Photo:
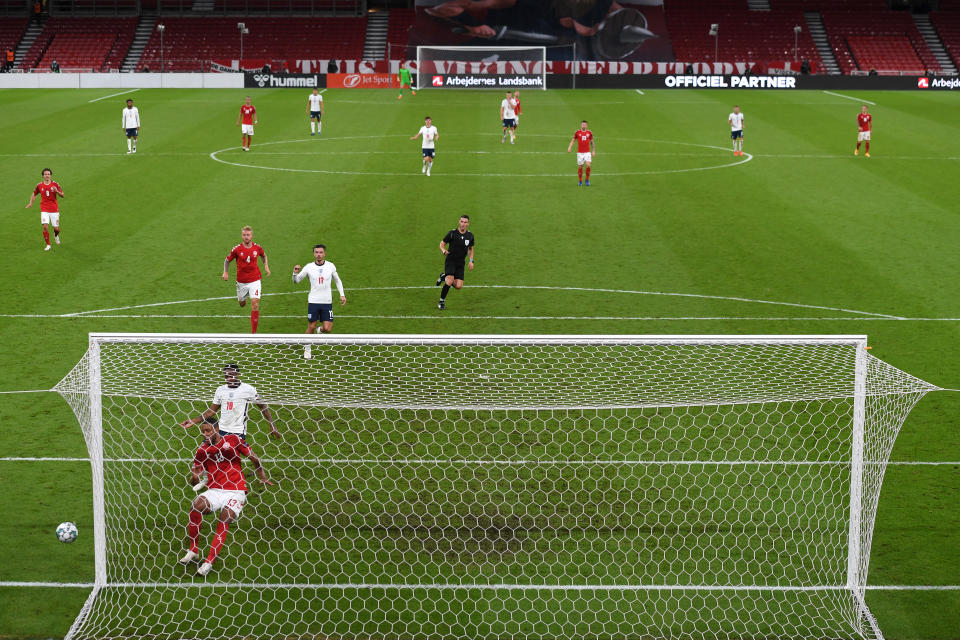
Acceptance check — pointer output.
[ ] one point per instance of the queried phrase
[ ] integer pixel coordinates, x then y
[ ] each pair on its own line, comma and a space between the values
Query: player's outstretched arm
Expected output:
266, 266
298, 274
258, 467
32, 198
212, 411
443, 247
416, 136
265, 410
226, 268
570, 146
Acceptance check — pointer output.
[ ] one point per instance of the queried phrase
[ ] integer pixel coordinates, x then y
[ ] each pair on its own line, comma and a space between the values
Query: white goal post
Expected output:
532, 487
482, 67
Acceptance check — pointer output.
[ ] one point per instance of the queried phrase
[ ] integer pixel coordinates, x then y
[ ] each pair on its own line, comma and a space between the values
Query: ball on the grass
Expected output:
67, 532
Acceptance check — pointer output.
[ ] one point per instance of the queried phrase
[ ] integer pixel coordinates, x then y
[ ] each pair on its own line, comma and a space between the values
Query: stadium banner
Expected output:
360, 80
750, 82
477, 81
284, 81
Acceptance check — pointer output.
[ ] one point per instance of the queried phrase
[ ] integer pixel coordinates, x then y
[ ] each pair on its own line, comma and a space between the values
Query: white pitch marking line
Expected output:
113, 95
868, 314
478, 587
213, 156
895, 463
638, 91
227, 316
840, 95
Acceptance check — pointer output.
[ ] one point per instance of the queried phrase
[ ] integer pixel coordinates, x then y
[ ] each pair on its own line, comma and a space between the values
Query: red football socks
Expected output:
588, 173
254, 321
193, 529
218, 541
868, 146
580, 173
46, 236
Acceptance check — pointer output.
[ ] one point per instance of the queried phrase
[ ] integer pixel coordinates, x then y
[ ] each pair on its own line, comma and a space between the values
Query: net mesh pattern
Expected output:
523, 488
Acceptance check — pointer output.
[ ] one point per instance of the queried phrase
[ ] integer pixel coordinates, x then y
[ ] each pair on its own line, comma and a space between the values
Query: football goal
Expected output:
531, 487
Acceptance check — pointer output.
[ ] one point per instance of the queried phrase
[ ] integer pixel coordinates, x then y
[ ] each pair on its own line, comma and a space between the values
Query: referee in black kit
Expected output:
456, 246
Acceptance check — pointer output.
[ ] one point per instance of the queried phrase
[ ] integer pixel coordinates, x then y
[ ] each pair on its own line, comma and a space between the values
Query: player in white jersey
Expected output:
509, 118
315, 111
321, 273
130, 123
232, 400
429, 149
735, 120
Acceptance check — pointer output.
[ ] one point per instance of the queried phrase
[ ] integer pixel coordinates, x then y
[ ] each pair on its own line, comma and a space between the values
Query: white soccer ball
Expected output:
67, 532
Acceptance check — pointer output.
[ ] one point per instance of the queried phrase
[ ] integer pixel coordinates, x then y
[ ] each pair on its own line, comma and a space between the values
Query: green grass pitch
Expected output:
857, 245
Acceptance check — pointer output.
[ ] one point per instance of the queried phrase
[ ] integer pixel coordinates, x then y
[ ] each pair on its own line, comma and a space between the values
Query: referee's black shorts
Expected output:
454, 267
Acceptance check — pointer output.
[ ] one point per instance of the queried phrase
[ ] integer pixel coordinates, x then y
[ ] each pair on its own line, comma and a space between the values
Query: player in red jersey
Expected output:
246, 120
248, 273
219, 457
516, 107
586, 149
49, 191
865, 125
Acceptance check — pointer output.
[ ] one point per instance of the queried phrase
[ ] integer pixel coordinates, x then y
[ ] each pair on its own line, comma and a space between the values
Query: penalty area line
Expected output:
112, 95
840, 95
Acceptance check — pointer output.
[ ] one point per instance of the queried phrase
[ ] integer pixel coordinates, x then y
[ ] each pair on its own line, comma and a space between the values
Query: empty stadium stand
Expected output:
744, 35
81, 43
11, 30
190, 41
400, 22
947, 23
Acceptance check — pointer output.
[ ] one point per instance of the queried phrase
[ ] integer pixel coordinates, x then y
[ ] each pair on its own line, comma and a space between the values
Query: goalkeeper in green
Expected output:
404, 78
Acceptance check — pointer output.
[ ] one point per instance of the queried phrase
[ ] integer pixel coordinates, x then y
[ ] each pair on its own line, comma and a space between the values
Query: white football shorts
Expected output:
50, 218
246, 129
220, 499
863, 135
248, 290
584, 157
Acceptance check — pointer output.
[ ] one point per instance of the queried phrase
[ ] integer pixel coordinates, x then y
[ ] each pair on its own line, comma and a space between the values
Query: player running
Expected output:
456, 246
248, 273
232, 400
509, 118
219, 457
315, 111
735, 120
586, 149
429, 148
130, 123
403, 76
865, 124
49, 191
245, 120
321, 273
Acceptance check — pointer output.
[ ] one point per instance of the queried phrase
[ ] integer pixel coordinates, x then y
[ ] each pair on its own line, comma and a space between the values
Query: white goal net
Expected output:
441, 488
504, 68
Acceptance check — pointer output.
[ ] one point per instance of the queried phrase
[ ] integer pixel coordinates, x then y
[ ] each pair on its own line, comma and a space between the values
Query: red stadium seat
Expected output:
82, 43
189, 42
